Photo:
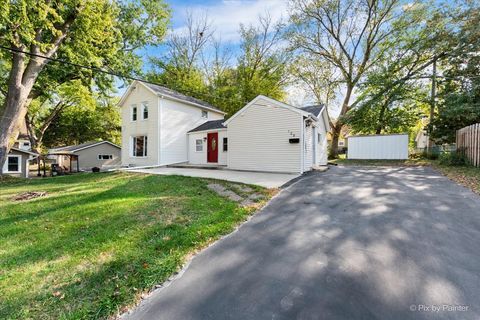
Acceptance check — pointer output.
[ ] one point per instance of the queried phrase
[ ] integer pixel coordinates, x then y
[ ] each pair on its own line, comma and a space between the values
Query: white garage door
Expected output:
378, 147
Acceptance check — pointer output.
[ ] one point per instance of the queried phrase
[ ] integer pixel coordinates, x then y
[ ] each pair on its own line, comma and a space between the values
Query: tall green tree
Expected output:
100, 121
354, 36
96, 33
198, 65
459, 91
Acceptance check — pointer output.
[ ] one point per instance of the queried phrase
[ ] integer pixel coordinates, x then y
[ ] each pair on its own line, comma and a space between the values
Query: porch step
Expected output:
197, 166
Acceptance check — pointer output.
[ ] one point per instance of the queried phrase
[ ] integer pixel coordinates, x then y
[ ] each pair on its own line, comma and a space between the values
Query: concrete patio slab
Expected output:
263, 179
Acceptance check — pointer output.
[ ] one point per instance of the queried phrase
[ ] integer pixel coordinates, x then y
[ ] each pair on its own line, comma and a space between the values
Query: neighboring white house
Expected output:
421, 139
162, 127
17, 162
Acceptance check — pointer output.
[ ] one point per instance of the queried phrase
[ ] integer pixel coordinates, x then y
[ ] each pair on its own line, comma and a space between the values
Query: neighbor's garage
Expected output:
378, 147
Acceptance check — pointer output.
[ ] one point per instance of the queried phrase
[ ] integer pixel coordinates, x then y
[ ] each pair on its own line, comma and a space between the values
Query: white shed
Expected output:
378, 147
268, 135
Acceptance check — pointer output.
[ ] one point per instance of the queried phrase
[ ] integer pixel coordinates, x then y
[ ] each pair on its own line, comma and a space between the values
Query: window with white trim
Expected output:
204, 114
105, 156
319, 137
134, 112
144, 110
199, 145
139, 144
13, 164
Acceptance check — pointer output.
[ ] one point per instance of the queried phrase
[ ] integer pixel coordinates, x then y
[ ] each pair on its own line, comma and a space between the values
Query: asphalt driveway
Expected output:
351, 243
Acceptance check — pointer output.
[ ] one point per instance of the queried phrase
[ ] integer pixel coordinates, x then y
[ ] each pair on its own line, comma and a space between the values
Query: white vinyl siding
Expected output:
259, 136
322, 144
308, 148
140, 95
177, 119
378, 147
200, 157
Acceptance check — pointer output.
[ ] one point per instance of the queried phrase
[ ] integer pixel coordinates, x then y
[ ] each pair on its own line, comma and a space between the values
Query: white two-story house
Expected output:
163, 127
155, 123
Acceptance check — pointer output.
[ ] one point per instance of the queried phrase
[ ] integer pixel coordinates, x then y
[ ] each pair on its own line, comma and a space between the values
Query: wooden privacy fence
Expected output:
468, 140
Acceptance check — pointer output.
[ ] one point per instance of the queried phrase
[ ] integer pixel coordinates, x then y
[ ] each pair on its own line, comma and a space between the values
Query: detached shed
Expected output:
378, 147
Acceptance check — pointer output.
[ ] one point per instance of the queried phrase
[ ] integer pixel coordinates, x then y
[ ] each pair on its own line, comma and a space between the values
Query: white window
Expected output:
199, 145
25, 145
134, 112
144, 110
139, 145
13, 164
105, 156
204, 114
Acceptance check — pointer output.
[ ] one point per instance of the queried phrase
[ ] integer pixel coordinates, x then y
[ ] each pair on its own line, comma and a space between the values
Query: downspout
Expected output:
302, 143
159, 130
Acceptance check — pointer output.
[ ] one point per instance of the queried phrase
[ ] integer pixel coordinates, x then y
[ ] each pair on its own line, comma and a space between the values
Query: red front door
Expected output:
212, 147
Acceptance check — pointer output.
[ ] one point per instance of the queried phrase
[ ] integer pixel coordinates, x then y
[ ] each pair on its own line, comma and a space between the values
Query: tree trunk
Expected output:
339, 125
20, 84
381, 118
335, 136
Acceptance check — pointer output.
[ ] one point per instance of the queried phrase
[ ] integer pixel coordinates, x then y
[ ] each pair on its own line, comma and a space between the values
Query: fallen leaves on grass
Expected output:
29, 195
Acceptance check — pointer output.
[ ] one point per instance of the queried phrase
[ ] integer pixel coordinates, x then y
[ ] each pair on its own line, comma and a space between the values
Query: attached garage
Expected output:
271, 136
378, 147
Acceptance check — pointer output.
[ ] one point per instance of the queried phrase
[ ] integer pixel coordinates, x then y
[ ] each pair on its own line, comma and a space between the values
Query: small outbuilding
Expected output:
378, 147
17, 162
100, 154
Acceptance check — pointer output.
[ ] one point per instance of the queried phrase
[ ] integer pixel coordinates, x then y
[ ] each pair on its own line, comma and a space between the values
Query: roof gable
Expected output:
24, 151
319, 111
82, 146
269, 101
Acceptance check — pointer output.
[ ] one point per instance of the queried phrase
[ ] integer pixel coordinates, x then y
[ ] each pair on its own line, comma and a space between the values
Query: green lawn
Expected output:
96, 242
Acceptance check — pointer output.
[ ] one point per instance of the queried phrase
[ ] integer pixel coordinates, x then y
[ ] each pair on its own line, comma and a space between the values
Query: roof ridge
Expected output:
179, 95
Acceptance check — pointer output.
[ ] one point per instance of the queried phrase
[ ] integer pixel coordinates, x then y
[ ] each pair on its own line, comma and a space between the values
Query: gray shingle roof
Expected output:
175, 94
80, 146
315, 110
210, 125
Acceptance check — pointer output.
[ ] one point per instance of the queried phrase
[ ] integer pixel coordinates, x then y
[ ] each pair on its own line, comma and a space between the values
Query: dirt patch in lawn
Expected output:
29, 195
242, 194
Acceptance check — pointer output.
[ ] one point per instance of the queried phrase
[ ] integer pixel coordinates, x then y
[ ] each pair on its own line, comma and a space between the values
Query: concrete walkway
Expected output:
350, 243
264, 179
